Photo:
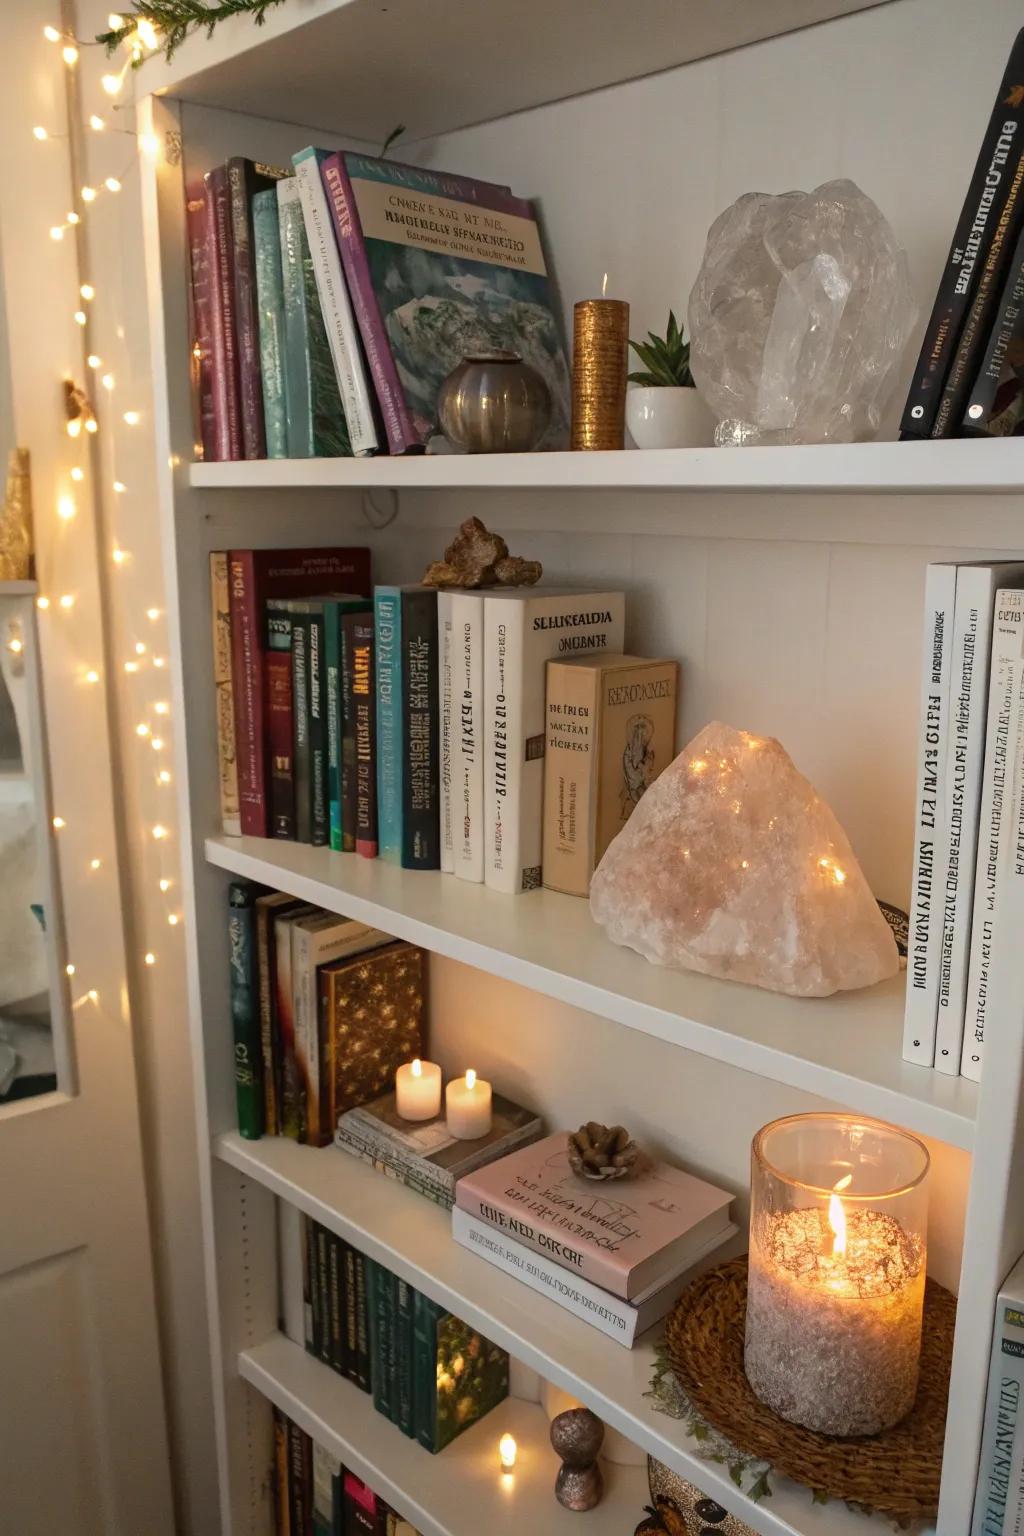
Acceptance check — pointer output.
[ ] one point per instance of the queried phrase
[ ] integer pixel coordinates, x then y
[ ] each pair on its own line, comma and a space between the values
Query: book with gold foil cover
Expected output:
372, 1014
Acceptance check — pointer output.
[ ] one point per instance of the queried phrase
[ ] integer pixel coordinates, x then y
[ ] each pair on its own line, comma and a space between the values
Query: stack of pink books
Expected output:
617, 1253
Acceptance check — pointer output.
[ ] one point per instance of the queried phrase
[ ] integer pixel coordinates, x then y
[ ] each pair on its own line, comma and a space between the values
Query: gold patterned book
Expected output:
221, 618
372, 1013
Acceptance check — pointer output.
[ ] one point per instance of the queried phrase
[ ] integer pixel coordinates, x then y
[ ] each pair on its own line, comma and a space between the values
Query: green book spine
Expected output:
426, 1316
363, 1377
300, 705
322, 1292
330, 430
308, 1273
317, 675
336, 1301
380, 1316
245, 1014
297, 385
351, 1328
266, 236
402, 1390
332, 658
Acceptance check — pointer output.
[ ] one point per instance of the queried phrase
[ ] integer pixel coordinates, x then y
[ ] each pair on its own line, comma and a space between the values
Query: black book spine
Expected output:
421, 793
362, 1324
300, 707
298, 1500
351, 1325
974, 336
997, 385
319, 802
982, 206
348, 734
322, 1294
365, 709
336, 1293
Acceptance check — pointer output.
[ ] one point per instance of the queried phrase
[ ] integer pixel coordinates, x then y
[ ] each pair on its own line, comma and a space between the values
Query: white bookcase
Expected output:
789, 582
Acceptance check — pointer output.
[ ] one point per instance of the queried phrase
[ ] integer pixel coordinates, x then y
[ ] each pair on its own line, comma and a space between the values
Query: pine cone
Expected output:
604, 1152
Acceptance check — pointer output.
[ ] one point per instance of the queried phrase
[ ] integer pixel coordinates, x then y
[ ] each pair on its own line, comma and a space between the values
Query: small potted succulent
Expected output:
663, 409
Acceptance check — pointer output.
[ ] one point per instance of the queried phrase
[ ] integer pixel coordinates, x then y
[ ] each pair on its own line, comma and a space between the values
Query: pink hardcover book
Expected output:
624, 1235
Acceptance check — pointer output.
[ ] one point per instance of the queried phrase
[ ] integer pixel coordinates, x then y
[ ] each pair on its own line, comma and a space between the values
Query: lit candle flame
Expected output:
507, 1452
471, 1079
604, 286
837, 1216
417, 1068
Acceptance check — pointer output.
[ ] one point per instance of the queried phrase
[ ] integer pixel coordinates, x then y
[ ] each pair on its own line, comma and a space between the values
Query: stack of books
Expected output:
414, 725
315, 1496
616, 1253
430, 1373
969, 379
332, 297
967, 904
324, 1011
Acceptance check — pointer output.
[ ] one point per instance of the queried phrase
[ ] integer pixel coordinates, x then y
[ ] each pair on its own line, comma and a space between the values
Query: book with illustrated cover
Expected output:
372, 1019
440, 267
458, 1375
623, 1236
611, 729
266, 244
995, 407
316, 420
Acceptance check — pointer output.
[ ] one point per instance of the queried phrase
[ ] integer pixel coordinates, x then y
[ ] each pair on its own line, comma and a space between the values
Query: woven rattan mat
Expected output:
895, 1473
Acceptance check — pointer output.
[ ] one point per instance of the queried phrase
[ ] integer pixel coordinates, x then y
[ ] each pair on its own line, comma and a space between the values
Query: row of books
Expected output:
967, 902
315, 1496
969, 379
331, 298
429, 1373
324, 1010
431, 727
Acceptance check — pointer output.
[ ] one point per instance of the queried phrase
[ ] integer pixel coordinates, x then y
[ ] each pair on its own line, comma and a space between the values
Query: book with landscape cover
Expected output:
621, 1320
335, 306
316, 419
995, 407
624, 1236
524, 629
372, 1009
224, 361
440, 267
931, 829
266, 244
257, 577
423, 1154
245, 179
1000, 150
227, 765
245, 1018
458, 1375
611, 729
201, 319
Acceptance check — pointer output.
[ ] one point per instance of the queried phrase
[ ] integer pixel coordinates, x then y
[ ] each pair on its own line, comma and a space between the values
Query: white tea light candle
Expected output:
507, 1452
418, 1090
467, 1107
835, 1290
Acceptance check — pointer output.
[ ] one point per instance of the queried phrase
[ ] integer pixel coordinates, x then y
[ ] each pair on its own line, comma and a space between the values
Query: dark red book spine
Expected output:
280, 739
201, 313
225, 338
243, 182
364, 699
247, 681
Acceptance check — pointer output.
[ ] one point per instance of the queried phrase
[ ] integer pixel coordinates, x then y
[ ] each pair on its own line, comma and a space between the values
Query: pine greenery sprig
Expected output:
175, 19
666, 359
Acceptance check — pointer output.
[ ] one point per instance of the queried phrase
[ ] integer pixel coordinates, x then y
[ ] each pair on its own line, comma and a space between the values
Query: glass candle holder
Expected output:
838, 1243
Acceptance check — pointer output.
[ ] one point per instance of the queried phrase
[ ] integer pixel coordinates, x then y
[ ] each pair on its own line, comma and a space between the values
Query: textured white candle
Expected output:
467, 1107
418, 1090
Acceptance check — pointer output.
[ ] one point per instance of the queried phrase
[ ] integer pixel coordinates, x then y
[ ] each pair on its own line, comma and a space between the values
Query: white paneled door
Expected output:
83, 1441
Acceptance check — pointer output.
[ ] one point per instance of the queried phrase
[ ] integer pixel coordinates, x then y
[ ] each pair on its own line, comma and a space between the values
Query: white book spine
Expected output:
968, 707
1005, 722
468, 734
521, 635
290, 1239
445, 712
929, 832
336, 307
999, 1501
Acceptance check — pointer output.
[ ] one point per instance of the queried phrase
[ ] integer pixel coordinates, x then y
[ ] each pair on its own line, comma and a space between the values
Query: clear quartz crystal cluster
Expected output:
733, 865
799, 316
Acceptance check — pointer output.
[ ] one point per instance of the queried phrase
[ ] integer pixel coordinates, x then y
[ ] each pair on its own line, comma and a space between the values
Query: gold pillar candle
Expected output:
16, 520
600, 344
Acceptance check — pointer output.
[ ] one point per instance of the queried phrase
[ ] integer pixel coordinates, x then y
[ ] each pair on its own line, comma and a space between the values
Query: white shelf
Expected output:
845, 1048
18, 588
355, 67
457, 1492
412, 1237
968, 466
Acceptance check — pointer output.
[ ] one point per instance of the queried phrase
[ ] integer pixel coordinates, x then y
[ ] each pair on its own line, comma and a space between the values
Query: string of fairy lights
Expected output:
80, 417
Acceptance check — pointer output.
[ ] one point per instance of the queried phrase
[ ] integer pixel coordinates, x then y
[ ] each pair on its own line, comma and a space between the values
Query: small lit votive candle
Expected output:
467, 1106
507, 1452
418, 1090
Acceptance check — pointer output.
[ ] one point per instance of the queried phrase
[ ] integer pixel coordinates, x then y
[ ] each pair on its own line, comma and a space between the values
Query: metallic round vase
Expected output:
493, 402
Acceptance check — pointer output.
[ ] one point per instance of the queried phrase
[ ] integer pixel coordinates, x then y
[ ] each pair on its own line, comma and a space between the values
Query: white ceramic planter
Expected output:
668, 418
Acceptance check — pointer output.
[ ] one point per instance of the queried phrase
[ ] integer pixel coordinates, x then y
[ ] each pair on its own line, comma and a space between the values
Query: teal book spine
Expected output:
266, 239
388, 649
402, 1389
427, 1316
300, 705
378, 1295
317, 683
332, 662
297, 385
245, 1015
330, 431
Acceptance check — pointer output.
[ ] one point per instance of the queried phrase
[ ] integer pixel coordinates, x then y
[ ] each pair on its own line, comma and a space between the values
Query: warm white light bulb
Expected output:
74, 427
163, 777
152, 614
150, 145
147, 32
149, 957
157, 744
42, 602
94, 361
73, 218
507, 1452
87, 291
58, 822
96, 123
112, 184
173, 919
119, 556
163, 708
91, 424
111, 84
131, 418
51, 34
120, 487
95, 863
165, 885
40, 133
66, 508
69, 969
56, 232
93, 995
142, 730
107, 381
80, 317
67, 601
140, 649
77, 473
88, 194
158, 661
92, 676
15, 646
115, 22
159, 832
131, 666
69, 53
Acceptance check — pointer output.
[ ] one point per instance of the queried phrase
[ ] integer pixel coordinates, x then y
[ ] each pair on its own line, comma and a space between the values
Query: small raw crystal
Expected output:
478, 558
799, 316
733, 865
